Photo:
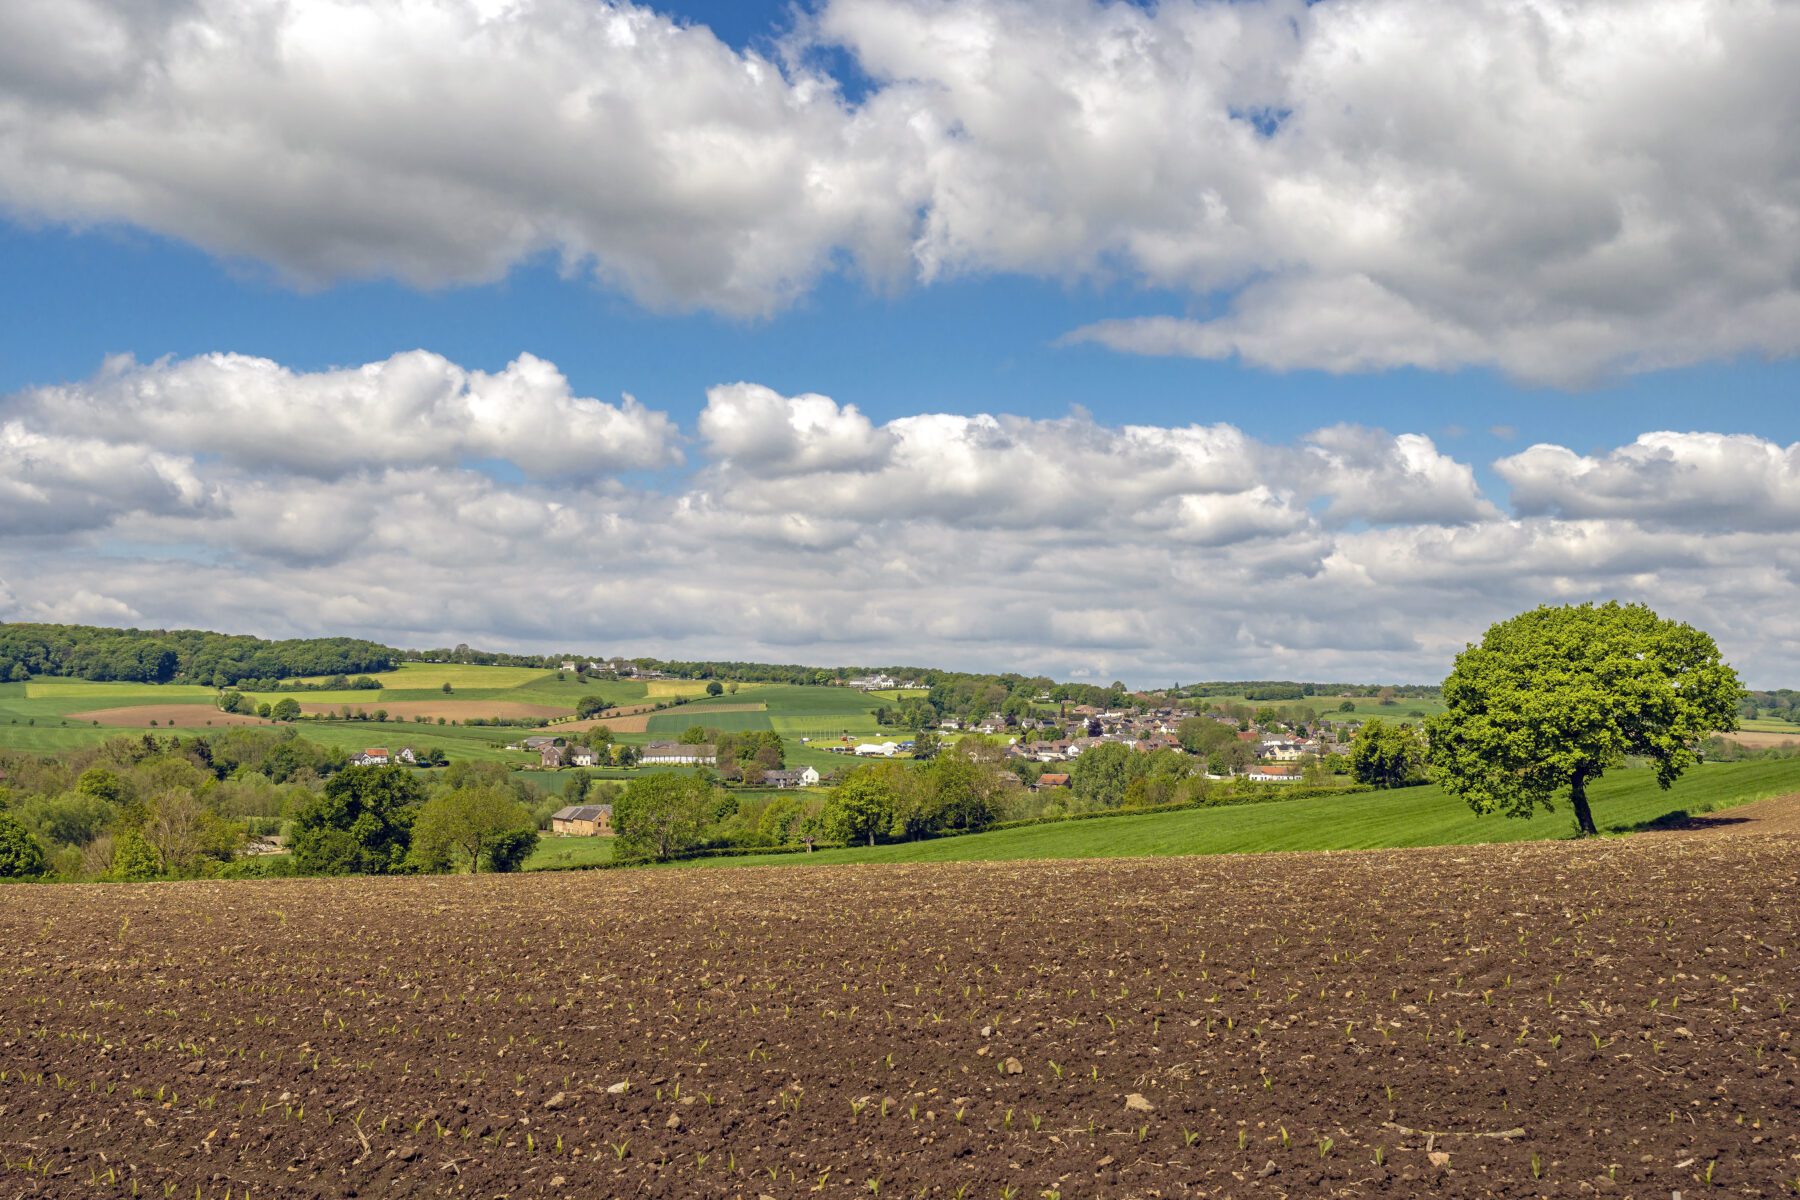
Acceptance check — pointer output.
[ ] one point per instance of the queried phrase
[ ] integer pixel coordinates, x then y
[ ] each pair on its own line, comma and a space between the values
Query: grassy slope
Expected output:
1411, 817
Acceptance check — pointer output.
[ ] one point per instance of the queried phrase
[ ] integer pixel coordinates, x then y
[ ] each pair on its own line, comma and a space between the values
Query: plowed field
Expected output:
191, 715
1533, 1020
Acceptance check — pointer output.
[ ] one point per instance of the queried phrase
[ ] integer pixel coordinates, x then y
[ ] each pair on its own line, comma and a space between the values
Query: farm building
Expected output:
582, 820
539, 741
1273, 773
878, 749
584, 756
374, 756
550, 757
658, 754
805, 777
1052, 779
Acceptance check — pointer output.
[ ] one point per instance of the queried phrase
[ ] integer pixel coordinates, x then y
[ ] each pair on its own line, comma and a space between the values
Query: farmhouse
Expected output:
806, 777
1273, 773
584, 756
550, 756
582, 820
374, 756
659, 754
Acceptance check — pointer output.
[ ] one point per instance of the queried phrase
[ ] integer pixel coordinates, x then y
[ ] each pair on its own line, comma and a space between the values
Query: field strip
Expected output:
637, 720
450, 710
1757, 739
145, 715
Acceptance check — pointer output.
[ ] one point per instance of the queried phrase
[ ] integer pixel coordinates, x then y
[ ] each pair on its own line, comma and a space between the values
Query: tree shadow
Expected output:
1681, 821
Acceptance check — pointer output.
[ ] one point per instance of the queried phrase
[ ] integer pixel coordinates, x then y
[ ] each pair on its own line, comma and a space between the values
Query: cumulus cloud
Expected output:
1693, 480
1558, 190
415, 407
807, 532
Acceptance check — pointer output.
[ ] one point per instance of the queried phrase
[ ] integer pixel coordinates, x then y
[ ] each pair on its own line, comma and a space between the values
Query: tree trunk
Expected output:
871, 839
1584, 817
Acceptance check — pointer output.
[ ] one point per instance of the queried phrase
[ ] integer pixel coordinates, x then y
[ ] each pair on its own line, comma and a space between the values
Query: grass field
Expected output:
1364, 707
556, 853
1422, 816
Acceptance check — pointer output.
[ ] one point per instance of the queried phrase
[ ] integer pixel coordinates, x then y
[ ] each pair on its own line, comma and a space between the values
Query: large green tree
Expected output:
864, 804
1387, 756
660, 816
360, 824
467, 823
1553, 697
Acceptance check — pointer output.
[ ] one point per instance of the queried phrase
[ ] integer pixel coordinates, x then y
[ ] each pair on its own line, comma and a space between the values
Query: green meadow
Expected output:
1421, 816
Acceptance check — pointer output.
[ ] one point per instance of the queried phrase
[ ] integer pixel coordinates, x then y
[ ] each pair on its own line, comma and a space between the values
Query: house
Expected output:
805, 778
872, 683
582, 820
550, 757
1052, 779
1282, 749
677, 754
407, 756
878, 749
374, 756
584, 756
1273, 773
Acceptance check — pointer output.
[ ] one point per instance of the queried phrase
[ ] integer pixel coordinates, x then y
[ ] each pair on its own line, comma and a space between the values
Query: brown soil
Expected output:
1776, 815
1572, 1019
450, 710
637, 720
191, 715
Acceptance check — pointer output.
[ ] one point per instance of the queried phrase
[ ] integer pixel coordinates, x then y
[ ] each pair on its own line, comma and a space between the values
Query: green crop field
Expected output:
1770, 725
1422, 816
673, 724
1363, 707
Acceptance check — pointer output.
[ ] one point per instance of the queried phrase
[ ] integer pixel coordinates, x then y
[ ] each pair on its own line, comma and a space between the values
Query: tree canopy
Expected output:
660, 816
1552, 698
360, 824
1387, 756
469, 823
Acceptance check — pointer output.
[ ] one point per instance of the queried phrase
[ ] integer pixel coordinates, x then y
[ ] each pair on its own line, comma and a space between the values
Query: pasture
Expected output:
1419, 816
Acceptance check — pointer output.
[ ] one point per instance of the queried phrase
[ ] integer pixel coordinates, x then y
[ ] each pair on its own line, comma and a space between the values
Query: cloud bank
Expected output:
236, 493
1559, 190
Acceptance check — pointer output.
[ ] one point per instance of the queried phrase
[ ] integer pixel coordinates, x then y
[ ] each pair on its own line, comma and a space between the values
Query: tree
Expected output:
285, 709
1202, 735
133, 859
1387, 756
660, 816
1553, 697
21, 855
1101, 774
467, 823
591, 705
448, 690
862, 806
360, 824
715, 688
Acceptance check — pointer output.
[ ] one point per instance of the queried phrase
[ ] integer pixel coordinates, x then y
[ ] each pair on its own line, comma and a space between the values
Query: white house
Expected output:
660, 754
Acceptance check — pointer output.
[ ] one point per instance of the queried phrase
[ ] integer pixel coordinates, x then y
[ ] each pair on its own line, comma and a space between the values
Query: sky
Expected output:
1159, 341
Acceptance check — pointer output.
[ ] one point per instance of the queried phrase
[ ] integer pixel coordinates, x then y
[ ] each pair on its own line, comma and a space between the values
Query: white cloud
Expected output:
809, 533
1693, 480
412, 408
1558, 190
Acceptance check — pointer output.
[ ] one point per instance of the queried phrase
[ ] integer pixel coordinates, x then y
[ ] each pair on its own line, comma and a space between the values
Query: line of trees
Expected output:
178, 655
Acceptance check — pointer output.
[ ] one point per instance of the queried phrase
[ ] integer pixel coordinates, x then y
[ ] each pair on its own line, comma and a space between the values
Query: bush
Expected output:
21, 855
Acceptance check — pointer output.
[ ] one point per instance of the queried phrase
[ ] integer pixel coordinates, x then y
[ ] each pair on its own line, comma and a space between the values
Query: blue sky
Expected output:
909, 209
